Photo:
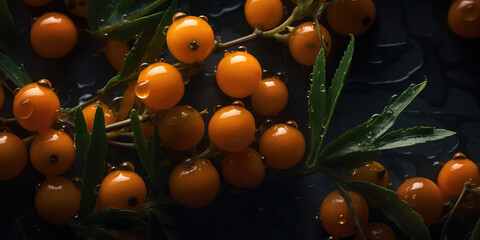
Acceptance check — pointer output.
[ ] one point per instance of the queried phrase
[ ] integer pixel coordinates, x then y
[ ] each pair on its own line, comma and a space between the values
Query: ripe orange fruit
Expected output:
270, 98
243, 169
123, 189
464, 18
77, 7
351, 16
455, 173
89, 114
266, 14
116, 53
13, 155
373, 172
304, 43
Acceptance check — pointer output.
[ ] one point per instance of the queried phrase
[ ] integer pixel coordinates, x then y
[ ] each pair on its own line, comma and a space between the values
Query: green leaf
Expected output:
15, 72
95, 233
158, 42
82, 137
408, 137
394, 208
476, 232
94, 168
114, 218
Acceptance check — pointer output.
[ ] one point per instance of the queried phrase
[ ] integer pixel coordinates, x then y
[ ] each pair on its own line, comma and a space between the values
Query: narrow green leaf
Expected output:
394, 208
82, 137
94, 164
476, 232
408, 137
15, 72
114, 218
158, 42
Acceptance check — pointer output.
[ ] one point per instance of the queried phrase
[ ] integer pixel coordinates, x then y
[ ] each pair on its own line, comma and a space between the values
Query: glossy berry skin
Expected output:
123, 189
337, 219
57, 200
455, 173
89, 114
37, 3
181, 128
116, 53
282, 146
2, 96
36, 106
464, 18
53, 35
265, 14
77, 7
243, 169
304, 43
232, 128
190, 39
270, 98
373, 172
194, 183
13, 155
238, 74
351, 16
52, 152
424, 196
376, 231
160, 86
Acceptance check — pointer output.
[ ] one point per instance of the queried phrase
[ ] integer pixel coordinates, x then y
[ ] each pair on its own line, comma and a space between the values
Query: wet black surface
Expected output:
408, 41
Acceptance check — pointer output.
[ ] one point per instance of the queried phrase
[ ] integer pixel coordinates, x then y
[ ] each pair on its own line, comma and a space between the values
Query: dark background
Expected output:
408, 41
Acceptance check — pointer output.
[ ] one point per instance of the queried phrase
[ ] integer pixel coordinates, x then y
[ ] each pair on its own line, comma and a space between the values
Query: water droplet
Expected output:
188, 163
282, 76
292, 124
341, 219
459, 155
142, 90
113, 168
96, 189
58, 114
16, 91
165, 30
66, 129
102, 20
25, 109
392, 99
162, 60
203, 17
33, 20
127, 166
124, 18
310, 77
78, 182
266, 73
143, 66
406, 176
238, 103
44, 83
242, 49
178, 15
470, 12
216, 108
375, 116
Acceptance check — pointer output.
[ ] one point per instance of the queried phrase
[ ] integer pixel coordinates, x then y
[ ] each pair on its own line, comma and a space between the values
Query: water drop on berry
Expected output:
142, 90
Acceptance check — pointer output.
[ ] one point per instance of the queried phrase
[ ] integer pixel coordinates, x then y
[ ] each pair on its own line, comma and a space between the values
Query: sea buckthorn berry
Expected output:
243, 169
160, 86
282, 146
77, 7
351, 16
337, 219
181, 128
89, 114
53, 35
37, 3
13, 156
52, 152
376, 231
238, 74
194, 183
372, 172
232, 128
265, 14
424, 196
464, 18
270, 98
116, 53
190, 39
123, 190
36, 106
2, 96
455, 173
304, 43
57, 200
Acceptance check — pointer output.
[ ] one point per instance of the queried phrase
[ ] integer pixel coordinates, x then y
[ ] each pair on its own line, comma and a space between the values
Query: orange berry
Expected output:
181, 128
351, 16
194, 183
464, 18
77, 7
13, 156
424, 196
37, 3
190, 39
304, 43
53, 35
337, 219
232, 128
147, 129
123, 190
455, 173
243, 169
282, 146
2, 96
376, 231
270, 98
160, 86
36, 106
57, 200
238, 74
116, 53
373, 172
89, 114
266, 14
52, 152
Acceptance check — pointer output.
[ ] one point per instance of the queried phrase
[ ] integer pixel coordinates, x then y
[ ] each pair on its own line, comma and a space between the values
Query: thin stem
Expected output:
465, 190
126, 122
310, 170
7, 120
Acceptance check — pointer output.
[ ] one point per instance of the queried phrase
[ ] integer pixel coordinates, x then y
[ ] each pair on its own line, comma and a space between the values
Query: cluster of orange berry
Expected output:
425, 197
